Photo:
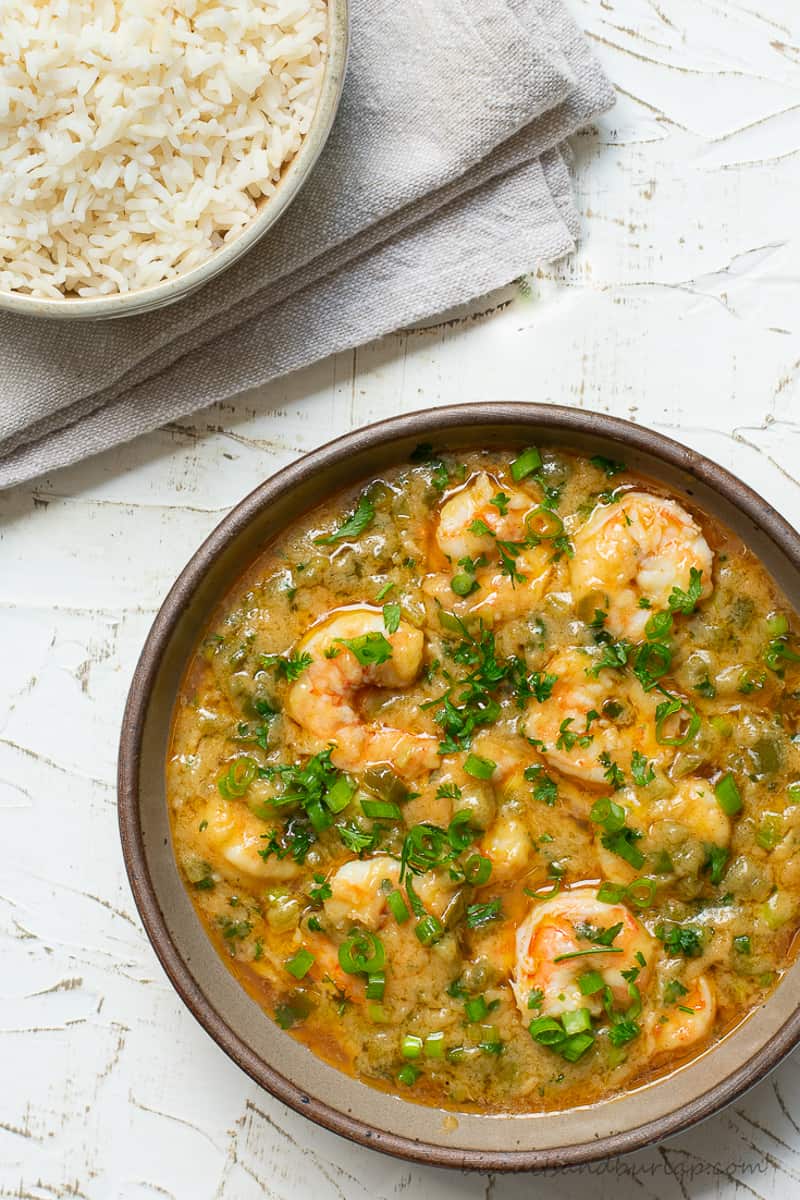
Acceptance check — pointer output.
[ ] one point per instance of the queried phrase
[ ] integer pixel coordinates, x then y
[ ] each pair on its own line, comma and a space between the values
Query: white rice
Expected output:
137, 135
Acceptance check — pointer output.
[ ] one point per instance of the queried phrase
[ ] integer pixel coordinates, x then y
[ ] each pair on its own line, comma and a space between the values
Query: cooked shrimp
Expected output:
508, 847
557, 927
638, 548
459, 536
356, 893
324, 698
455, 534
586, 719
683, 1024
234, 837
683, 823
695, 806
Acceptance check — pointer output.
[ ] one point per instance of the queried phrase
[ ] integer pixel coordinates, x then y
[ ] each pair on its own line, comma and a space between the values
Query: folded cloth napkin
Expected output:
445, 176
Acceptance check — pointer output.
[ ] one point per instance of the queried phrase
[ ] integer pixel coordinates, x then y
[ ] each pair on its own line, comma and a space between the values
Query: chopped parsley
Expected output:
289, 667
359, 520
641, 770
686, 601
371, 649
612, 774
685, 940
391, 618
545, 789
609, 466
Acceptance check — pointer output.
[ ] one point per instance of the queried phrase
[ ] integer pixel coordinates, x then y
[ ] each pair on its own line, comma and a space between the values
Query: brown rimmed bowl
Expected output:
271, 1057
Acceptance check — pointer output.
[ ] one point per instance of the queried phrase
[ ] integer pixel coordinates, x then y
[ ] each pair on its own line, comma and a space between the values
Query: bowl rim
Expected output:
436, 421
294, 176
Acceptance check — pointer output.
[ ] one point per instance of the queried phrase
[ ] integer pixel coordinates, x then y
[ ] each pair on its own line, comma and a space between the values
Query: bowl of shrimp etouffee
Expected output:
460, 778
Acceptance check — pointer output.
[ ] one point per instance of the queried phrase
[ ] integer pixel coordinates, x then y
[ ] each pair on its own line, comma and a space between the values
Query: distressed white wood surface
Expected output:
680, 311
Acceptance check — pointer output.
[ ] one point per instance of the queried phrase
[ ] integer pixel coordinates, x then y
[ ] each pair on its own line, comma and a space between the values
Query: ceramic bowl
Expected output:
277, 1062
98, 308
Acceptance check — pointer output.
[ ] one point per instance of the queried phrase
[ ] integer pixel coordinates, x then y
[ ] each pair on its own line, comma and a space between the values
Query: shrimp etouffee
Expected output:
485, 780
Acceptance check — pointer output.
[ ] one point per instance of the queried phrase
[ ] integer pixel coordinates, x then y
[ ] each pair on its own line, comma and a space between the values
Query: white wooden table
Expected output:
679, 311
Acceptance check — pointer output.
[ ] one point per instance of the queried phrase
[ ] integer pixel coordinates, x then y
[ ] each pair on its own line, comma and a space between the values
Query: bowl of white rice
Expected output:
145, 145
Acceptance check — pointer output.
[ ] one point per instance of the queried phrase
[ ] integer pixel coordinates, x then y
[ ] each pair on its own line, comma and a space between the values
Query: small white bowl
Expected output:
97, 308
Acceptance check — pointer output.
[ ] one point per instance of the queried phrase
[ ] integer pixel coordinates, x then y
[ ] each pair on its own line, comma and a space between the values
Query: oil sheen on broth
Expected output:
484, 780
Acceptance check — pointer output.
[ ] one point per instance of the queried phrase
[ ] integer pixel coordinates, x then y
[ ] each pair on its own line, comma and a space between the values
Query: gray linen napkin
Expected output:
445, 176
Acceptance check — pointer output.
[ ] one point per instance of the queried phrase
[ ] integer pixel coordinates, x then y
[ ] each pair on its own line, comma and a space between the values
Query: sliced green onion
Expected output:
300, 963
378, 1014
544, 523
529, 461
477, 870
407, 1075
669, 708
546, 1031
623, 845
490, 1040
608, 813
362, 954
611, 893
575, 1047
411, 1046
434, 1045
398, 907
381, 810
238, 777
742, 944
479, 768
429, 930
376, 985
459, 832
641, 892
727, 794
577, 1021
777, 625
476, 1008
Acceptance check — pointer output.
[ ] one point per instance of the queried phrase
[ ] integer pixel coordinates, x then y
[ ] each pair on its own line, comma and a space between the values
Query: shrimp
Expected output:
685, 1023
358, 891
472, 527
558, 927
508, 847
323, 700
458, 536
235, 838
587, 720
694, 806
683, 823
640, 547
